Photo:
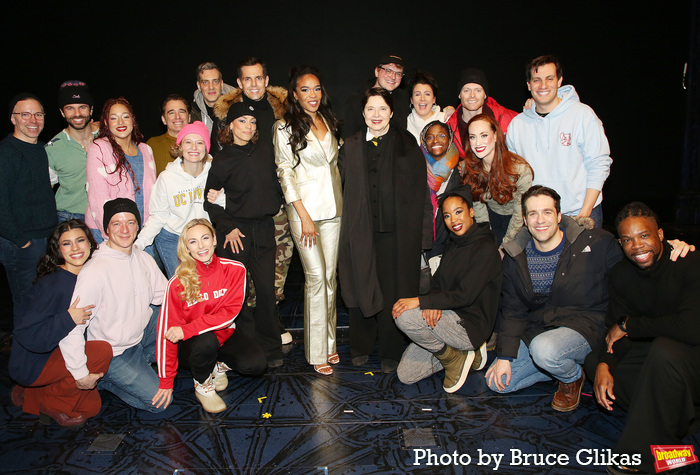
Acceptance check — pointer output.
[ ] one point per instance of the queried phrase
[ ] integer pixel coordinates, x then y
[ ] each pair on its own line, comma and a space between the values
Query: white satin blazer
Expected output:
315, 181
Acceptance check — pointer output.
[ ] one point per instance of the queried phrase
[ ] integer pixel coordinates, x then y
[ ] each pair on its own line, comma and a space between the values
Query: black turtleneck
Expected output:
662, 300
265, 116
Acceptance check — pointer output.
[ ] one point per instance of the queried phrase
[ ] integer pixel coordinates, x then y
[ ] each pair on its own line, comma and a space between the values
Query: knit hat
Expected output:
22, 96
391, 58
239, 109
120, 205
74, 92
464, 191
198, 128
475, 76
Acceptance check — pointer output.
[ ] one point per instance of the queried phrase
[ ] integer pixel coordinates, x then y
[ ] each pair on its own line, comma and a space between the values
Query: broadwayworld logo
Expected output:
667, 457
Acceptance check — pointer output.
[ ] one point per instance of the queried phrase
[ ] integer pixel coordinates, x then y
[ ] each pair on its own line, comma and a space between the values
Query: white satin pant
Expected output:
320, 263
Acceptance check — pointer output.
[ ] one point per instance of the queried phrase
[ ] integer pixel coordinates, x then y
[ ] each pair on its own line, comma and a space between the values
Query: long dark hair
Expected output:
53, 258
298, 121
501, 179
136, 135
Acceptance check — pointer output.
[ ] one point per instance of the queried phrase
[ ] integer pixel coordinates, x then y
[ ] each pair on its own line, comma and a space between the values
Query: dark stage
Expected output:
626, 61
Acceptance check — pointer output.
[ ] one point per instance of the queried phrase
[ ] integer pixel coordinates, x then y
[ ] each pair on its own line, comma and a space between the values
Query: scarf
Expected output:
438, 172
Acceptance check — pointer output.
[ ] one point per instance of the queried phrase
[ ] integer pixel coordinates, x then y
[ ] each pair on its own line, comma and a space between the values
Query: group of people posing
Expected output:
426, 217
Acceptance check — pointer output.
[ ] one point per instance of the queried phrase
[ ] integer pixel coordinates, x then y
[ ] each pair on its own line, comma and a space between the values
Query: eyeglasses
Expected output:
391, 72
28, 115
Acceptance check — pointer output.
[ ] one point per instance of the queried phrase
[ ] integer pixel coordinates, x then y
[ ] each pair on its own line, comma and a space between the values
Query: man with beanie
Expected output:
388, 74
67, 151
175, 114
28, 211
124, 284
563, 140
269, 103
475, 100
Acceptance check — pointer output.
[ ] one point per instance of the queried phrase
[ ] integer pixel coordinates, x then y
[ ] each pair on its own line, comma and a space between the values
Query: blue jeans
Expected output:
97, 235
64, 216
557, 354
20, 265
130, 376
166, 245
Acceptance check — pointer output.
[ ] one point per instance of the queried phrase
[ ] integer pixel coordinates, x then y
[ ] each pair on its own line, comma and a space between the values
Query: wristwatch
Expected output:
622, 324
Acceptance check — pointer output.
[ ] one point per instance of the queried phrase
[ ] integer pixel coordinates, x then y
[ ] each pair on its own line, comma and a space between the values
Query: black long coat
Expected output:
357, 268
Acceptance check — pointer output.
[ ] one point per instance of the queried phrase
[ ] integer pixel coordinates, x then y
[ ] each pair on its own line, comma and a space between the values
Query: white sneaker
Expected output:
219, 376
206, 395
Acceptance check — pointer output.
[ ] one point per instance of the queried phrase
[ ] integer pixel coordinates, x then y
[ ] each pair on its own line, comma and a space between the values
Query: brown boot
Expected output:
568, 395
456, 364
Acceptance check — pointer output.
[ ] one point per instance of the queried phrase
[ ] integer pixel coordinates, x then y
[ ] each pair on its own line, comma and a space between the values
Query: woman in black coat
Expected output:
387, 220
245, 169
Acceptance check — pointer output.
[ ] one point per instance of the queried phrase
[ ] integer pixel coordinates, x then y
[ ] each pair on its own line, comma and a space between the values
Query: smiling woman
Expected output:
42, 320
119, 164
196, 325
441, 157
306, 151
424, 108
387, 220
178, 195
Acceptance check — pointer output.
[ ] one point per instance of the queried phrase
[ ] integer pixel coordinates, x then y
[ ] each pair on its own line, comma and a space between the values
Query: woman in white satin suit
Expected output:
306, 152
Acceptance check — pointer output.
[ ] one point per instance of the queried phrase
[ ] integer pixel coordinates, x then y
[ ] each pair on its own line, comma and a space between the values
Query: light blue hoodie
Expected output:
567, 149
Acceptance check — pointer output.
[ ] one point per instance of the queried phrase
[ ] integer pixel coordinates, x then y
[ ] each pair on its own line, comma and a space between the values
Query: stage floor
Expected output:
293, 420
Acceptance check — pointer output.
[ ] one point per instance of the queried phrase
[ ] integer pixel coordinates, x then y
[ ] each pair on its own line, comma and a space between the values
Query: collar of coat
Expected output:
572, 229
276, 96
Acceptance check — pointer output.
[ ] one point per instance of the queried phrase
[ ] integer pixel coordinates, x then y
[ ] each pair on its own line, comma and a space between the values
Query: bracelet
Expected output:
622, 324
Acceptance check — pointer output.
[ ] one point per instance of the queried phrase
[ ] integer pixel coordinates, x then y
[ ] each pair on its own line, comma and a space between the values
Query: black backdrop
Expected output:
625, 60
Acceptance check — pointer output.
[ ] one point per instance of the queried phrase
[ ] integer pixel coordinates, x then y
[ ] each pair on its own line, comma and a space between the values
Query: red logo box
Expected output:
667, 457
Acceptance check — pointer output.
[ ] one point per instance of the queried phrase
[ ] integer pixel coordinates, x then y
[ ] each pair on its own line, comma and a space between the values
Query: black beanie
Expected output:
475, 76
239, 109
119, 205
74, 92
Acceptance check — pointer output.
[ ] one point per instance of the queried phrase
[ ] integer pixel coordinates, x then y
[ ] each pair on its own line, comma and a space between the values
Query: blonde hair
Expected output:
187, 270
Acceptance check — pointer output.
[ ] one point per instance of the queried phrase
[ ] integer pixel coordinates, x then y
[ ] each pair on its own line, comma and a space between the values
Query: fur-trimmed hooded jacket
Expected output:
267, 116
578, 296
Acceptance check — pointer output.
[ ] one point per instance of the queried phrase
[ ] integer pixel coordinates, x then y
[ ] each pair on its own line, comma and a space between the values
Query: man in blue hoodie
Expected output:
563, 140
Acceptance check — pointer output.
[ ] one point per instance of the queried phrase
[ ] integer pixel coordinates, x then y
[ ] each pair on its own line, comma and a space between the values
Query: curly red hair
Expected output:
501, 179
136, 136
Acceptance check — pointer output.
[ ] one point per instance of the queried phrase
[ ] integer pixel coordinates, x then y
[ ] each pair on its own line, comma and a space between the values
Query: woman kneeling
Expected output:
203, 299
450, 324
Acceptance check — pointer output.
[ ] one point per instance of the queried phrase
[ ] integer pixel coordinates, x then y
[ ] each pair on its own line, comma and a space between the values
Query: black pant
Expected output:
200, 353
258, 255
367, 330
659, 383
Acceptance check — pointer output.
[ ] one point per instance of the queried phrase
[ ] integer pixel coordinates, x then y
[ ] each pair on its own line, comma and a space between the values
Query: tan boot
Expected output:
206, 395
456, 364
479, 358
219, 376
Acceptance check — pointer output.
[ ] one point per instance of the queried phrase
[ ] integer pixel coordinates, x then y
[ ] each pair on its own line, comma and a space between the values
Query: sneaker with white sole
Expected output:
206, 395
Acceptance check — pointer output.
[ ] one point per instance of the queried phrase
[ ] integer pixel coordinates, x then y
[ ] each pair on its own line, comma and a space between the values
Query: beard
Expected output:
86, 121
